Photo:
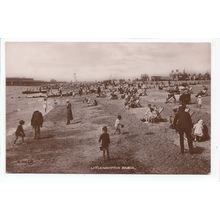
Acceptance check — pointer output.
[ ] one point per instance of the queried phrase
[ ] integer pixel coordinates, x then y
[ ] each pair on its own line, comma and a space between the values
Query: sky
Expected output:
97, 61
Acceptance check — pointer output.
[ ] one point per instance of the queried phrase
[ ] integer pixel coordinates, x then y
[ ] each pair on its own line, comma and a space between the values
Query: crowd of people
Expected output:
131, 92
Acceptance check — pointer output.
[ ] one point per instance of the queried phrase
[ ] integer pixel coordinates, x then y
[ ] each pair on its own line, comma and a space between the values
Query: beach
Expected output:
142, 148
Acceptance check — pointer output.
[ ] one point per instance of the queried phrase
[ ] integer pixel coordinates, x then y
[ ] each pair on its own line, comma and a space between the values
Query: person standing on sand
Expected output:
105, 141
183, 124
99, 91
20, 131
118, 125
69, 112
37, 123
199, 101
45, 105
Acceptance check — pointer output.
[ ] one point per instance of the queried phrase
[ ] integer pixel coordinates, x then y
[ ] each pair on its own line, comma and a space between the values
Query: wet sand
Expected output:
141, 148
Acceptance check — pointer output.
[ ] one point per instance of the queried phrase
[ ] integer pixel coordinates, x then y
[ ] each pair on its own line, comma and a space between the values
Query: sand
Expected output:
140, 149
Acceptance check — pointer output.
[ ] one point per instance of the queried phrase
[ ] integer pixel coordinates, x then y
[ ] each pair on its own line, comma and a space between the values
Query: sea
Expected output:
20, 107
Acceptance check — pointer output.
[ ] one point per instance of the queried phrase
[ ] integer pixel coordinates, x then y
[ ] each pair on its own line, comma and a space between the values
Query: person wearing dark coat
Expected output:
69, 112
104, 139
183, 124
37, 123
185, 98
99, 91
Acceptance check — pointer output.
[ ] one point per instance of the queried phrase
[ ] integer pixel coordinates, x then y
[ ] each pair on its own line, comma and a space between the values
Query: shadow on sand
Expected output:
198, 150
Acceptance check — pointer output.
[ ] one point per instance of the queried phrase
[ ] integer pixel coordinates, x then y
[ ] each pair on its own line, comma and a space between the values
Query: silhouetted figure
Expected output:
37, 123
69, 112
183, 124
99, 91
20, 131
185, 98
105, 141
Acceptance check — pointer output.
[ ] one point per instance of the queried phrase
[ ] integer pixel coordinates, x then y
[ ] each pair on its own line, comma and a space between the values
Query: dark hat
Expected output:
21, 122
119, 116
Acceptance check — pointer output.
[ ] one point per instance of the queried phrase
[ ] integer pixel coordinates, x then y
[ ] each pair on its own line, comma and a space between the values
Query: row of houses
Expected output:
177, 76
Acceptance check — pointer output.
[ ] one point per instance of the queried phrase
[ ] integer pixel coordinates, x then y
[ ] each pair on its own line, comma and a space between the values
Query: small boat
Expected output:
36, 95
39, 95
34, 91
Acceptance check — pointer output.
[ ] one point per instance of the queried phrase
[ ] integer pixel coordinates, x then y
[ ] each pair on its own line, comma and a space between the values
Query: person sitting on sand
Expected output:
95, 103
127, 100
20, 131
92, 103
131, 102
170, 95
155, 114
203, 92
137, 102
113, 95
200, 131
88, 101
104, 139
118, 125
85, 100
134, 102
148, 113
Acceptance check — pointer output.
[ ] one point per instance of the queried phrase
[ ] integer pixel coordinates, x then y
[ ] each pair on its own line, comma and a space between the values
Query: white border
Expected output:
215, 139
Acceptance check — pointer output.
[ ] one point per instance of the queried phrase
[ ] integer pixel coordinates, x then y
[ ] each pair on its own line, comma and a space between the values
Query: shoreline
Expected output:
11, 130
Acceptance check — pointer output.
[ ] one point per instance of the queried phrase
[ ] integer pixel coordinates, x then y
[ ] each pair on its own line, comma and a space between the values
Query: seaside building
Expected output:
17, 81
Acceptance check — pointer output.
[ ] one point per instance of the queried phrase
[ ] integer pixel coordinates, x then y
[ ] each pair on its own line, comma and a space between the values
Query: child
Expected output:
148, 113
199, 101
175, 111
20, 131
198, 130
105, 141
118, 125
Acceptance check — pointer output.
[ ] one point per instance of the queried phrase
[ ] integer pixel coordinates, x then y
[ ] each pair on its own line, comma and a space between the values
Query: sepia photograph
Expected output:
108, 107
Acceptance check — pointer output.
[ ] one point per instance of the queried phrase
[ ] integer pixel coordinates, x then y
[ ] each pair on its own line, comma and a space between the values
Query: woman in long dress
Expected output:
45, 105
69, 112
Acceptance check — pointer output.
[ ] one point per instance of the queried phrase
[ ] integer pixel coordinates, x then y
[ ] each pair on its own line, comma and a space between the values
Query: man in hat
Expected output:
183, 124
185, 97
